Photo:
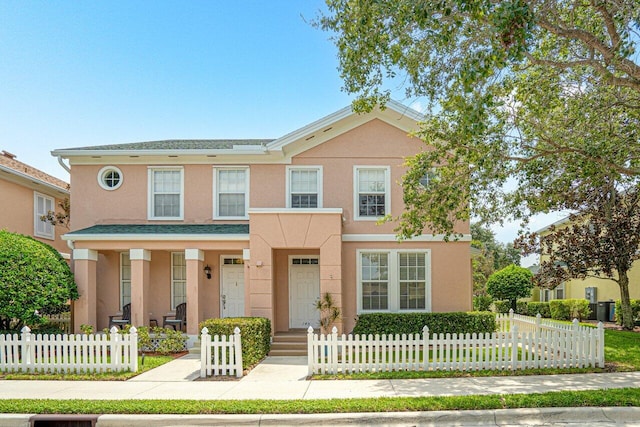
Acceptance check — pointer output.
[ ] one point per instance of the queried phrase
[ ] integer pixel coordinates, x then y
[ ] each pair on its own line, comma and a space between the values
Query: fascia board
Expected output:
120, 153
155, 237
32, 182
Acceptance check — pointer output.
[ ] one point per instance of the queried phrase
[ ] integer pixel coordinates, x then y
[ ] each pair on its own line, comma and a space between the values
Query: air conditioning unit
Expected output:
591, 294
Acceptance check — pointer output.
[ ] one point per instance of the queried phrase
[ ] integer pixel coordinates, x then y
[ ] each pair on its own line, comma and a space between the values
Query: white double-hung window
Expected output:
42, 205
125, 279
166, 193
372, 192
393, 280
178, 279
304, 187
231, 199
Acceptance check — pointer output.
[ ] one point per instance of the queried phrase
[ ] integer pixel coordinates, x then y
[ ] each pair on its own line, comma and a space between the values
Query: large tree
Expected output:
534, 106
492, 256
34, 280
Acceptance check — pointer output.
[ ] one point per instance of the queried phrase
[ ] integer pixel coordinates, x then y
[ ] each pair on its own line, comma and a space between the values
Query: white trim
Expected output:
122, 254
175, 281
246, 254
394, 238
194, 254
393, 280
247, 187
150, 202
319, 182
65, 255
155, 237
102, 172
139, 255
356, 192
36, 216
85, 255
295, 211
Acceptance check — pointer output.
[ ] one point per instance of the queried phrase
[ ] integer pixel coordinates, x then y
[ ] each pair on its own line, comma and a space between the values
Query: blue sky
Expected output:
88, 73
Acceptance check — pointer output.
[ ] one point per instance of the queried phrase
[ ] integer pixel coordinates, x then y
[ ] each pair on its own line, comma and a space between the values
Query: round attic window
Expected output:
110, 178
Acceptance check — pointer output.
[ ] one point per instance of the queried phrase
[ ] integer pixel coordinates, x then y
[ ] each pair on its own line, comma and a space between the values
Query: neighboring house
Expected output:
27, 194
592, 288
258, 227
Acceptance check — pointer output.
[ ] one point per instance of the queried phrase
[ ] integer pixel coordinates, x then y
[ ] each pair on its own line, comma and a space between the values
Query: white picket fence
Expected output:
69, 353
523, 344
220, 355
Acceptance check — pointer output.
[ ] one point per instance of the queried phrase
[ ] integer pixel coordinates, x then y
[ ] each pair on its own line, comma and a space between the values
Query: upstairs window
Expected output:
166, 193
42, 206
232, 193
110, 178
304, 187
372, 190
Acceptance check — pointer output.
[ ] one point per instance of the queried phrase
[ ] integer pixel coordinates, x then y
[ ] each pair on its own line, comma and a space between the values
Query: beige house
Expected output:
258, 227
27, 194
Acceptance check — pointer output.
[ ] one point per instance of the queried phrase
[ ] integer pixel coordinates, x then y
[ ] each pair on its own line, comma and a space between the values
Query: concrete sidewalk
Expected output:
285, 378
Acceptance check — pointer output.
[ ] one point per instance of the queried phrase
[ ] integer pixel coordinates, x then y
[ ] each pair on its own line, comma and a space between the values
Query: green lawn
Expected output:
150, 362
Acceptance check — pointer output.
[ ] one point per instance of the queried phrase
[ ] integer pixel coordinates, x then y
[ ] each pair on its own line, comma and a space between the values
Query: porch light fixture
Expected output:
207, 271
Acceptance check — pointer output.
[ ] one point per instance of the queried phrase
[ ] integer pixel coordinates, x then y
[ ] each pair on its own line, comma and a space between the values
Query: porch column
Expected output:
140, 273
195, 285
331, 273
84, 270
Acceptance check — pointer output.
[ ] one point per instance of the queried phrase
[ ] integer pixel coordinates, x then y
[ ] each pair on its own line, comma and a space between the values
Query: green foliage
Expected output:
501, 306
34, 280
482, 303
412, 323
533, 308
569, 309
510, 283
635, 310
522, 308
329, 313
255, 333
86, 329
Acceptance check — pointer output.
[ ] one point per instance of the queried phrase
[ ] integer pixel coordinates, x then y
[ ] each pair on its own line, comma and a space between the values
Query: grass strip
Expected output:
590, 398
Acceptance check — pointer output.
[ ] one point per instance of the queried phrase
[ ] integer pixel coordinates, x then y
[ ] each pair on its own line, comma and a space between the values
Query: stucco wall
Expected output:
17, 213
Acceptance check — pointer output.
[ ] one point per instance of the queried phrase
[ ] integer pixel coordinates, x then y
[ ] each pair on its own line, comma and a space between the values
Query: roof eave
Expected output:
153, 237
240, 150
34, 179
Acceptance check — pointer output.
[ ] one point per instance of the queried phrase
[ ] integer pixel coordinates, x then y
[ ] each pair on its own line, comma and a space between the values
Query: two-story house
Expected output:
28, 194
258, 227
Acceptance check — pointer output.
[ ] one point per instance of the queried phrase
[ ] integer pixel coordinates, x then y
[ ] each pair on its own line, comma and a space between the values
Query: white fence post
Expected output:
334, 350
600, 345
310, 351
514, 346
425, 348
237, 343
133, 349
116, 349
27, 349
205, 353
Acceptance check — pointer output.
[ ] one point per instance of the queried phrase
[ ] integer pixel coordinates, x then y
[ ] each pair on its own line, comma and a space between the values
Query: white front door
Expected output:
232, 290
304, 291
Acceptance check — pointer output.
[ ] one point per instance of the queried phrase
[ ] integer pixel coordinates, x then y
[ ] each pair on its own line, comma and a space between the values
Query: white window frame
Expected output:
49, 230
123, 280
393, 279
151, 205
319, 179
216, 193
547, 295
356, 191
102, 178
175, 282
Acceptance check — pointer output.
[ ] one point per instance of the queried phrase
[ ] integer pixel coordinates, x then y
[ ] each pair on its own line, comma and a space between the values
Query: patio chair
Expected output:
124, 318
179, 320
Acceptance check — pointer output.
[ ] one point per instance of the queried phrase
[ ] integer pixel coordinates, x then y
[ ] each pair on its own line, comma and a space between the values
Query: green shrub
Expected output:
510, 283
533, 308
521, 308
157, 340
501, 306
569, 309
255, 334
482, 303
412, 323
635, 310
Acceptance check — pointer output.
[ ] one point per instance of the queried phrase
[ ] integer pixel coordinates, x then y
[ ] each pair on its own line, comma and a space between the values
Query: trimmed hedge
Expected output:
500, 306
569, 309
255, 334
635, 309
482, 303
412, 323
533, 308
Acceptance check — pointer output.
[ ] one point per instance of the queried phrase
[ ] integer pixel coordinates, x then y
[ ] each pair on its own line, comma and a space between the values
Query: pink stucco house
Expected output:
258, 227
27, 194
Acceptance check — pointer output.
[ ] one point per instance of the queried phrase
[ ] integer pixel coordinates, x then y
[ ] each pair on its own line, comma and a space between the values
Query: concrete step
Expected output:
276, 352
289, 338
290, 343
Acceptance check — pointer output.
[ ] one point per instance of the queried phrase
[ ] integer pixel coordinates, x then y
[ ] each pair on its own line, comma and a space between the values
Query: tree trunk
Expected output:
626, 314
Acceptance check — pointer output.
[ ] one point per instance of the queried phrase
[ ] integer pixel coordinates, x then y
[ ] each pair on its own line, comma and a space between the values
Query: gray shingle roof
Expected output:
178, 144
115, 229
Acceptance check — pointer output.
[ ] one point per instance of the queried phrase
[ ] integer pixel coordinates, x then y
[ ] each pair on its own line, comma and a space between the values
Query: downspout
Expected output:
64, 166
